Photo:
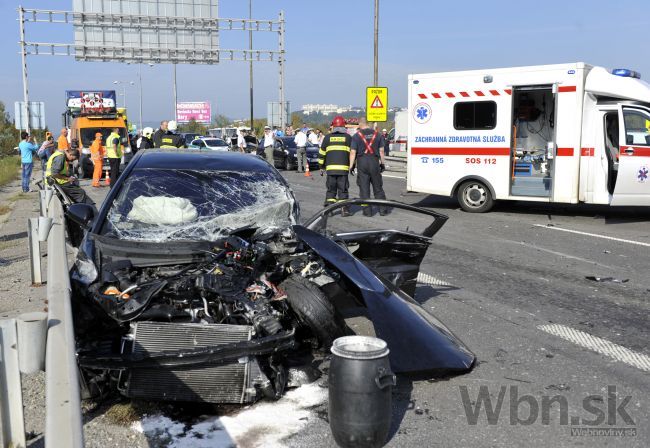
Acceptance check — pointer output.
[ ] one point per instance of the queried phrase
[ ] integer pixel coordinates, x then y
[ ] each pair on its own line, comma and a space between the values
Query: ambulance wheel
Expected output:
475, 197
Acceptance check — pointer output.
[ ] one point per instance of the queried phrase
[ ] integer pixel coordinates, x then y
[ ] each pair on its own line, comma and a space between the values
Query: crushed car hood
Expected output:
418, 342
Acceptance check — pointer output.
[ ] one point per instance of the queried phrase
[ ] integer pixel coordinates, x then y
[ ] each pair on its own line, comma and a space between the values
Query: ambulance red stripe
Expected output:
587, 152
450, 95
567, 89
422, 96
565, 152
467, 151
464, 94
437, 95
479, 93
508, 91
495, 92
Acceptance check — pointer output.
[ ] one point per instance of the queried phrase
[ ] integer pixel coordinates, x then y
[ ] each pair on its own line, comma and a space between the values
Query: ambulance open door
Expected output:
533, 141
633, 178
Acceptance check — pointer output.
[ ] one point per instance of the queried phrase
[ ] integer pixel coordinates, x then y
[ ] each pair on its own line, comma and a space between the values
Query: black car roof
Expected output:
205, 160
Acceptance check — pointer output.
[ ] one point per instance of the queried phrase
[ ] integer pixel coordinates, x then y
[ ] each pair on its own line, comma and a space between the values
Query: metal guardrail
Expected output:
63, 424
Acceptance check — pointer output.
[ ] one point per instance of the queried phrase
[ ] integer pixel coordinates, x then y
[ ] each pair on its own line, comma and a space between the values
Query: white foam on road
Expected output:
603, 346
595, 235
265, 424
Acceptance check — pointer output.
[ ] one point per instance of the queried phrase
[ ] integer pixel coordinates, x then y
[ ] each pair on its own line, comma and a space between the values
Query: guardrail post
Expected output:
12, 424
32, 336
34, 252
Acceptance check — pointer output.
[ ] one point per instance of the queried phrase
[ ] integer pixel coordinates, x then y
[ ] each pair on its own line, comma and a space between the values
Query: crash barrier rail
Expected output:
396, 162
63, 424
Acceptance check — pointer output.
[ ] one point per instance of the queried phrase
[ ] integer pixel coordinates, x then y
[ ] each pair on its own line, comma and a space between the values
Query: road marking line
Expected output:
431, 280
394, 177
602, 346
639, 243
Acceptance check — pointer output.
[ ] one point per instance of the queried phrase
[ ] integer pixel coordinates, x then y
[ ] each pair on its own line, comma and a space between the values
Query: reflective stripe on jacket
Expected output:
334, 154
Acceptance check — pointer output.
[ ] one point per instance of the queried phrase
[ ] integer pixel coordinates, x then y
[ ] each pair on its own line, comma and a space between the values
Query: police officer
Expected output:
334, 158
171, 139
367, 151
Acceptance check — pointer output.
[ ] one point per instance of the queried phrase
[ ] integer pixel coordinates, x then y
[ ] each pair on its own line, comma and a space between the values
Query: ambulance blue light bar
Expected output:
626, 73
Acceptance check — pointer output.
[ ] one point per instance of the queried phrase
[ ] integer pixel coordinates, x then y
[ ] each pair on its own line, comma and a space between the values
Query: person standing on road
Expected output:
27, 151
157, 136
267, 143
367, 151
45, 151
301, 150
97, 152
114, 154
313, 137
334, 158
62, 142
144, 142
384, 134
171, 139
241, 142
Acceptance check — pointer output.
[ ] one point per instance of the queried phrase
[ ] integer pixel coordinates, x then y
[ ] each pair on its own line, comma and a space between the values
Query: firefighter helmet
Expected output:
338, 122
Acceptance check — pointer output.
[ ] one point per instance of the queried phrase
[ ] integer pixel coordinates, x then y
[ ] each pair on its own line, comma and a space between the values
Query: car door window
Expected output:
637, 127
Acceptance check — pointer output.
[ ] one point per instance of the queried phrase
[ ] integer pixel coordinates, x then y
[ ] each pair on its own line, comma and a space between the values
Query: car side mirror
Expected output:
81, 214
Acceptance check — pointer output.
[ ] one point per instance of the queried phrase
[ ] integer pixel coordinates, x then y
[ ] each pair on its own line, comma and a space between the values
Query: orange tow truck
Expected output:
88, 112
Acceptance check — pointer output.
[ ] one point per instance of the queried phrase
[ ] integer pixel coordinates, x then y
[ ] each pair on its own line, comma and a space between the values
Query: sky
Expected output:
329, 51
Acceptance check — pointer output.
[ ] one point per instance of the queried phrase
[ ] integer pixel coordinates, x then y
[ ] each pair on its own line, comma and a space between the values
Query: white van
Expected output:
552, 133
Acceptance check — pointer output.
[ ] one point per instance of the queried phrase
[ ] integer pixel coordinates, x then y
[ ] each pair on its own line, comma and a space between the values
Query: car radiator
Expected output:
225, 383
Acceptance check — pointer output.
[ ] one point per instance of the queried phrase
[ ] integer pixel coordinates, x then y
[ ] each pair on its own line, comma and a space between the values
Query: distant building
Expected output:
327, 109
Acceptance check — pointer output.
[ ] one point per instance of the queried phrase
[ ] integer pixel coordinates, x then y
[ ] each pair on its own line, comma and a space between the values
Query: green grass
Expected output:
9, 169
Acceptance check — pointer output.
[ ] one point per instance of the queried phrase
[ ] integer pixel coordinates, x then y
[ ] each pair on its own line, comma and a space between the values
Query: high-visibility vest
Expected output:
110, 146
64, 171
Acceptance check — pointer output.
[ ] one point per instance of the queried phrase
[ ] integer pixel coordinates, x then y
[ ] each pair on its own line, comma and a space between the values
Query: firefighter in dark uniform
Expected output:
171, 139
334, 158
367, 151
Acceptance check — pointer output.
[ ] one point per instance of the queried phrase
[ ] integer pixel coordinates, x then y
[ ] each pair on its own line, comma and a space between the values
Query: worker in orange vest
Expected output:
97, 153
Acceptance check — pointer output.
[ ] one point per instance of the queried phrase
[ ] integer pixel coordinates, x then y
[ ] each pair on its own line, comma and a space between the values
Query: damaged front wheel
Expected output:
314, 310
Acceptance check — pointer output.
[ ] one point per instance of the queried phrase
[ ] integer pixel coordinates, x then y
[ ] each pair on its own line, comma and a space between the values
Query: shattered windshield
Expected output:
199, 205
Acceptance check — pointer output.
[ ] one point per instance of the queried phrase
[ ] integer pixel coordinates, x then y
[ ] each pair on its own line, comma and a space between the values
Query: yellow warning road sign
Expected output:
376, 104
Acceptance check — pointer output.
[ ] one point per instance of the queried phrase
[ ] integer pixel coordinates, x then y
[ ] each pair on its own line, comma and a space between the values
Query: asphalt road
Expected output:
516, 292
510, 272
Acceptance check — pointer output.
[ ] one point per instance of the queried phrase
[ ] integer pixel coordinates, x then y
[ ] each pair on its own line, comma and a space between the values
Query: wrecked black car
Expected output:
195, 281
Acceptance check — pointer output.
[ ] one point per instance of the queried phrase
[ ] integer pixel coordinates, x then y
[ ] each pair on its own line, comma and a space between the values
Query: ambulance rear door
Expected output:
633, 178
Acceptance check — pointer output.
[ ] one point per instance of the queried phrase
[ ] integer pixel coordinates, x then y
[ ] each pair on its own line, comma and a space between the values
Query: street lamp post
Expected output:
175, 94
123, 84
376, 72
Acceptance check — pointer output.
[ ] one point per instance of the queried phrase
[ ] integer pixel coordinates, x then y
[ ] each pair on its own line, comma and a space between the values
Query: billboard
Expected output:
198, 110
147, 31
273, 113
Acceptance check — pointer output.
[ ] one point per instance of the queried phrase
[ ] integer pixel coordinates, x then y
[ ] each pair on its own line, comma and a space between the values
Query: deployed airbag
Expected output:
162, 210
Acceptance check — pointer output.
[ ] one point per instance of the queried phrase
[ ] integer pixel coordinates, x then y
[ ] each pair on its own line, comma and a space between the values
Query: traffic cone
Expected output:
107, 180
307, 172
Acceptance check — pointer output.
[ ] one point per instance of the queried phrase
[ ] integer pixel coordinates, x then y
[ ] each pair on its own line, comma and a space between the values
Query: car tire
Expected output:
475, 197
314, 310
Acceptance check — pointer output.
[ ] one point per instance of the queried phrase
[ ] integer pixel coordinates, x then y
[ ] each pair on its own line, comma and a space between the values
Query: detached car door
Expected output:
392, 245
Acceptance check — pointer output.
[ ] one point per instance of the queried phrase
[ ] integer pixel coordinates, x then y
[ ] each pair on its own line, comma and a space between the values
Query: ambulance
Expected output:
566, 133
